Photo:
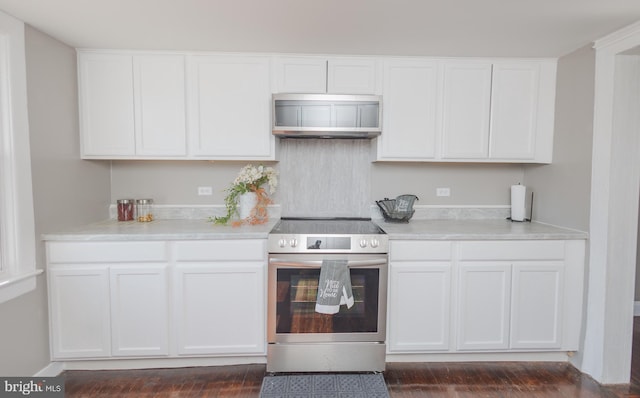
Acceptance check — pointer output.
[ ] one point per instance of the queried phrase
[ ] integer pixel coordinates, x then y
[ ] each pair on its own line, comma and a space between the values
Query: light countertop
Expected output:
476, 230
112, 230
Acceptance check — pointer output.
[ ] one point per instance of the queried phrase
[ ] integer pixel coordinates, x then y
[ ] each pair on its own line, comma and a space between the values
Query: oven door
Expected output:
293, 287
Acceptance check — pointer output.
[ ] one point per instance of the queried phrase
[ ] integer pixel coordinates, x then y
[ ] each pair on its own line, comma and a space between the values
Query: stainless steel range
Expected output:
301, 338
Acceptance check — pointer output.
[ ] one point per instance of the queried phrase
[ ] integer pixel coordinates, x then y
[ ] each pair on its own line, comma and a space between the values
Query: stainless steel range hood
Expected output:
326, 116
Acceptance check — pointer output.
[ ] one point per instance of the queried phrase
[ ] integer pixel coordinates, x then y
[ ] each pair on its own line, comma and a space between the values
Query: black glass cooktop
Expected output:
328, 226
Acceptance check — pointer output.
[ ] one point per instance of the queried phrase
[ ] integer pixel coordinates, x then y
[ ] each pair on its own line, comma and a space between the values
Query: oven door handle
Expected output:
318, 263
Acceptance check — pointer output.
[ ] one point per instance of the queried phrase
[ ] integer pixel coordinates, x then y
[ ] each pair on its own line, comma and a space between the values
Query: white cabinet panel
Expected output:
139, 310
106, 104
79, 312
160, 107
466, 109
319, 75
69, 252
410, 94
419, 299
512, 250
230, 102
227, 249
408, 250
514, 102
484, 306
301, 75
220, 308
536, 305
352, 76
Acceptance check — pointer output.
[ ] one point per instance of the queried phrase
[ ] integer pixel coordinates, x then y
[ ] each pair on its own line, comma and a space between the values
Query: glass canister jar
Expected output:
125, 209
144, 210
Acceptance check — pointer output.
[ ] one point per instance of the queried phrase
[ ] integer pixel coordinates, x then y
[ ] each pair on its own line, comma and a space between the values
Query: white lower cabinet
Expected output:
220, 308
485, 296
139, 310
419, 296
79, 312
510, 305
483, 307
156, 299
421, 303
220, 297
537, 305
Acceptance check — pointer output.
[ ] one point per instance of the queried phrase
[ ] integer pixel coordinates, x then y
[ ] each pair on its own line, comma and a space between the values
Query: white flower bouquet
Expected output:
250, 179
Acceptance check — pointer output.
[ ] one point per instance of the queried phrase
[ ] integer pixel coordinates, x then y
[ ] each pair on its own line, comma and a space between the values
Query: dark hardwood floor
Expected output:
405, 380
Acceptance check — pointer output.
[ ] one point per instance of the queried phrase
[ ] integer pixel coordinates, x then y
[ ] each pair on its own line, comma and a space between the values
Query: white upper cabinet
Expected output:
106, 105
466, 110
319, 75
514, 110
160, 107
301, 75
132, 106
409, 118
483, 111
352, 76
230, 102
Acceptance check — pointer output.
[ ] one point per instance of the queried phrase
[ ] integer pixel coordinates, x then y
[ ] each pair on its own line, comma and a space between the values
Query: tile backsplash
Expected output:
325, 178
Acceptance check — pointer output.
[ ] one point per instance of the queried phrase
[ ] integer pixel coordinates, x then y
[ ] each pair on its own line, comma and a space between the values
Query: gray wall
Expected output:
470, 184
176, 182
562, 189
67, 191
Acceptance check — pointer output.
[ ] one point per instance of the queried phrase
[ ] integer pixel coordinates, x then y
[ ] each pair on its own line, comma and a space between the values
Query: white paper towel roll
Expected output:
518, 197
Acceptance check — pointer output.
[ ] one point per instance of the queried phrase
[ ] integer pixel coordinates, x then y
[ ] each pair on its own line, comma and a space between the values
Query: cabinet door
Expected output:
301, 75
79, 312
160, 110
483, 308
351, 76
536, 305
514, 104
465, 114
230, 103
220, 308
419, 295
106, 105
139, 310
410, 93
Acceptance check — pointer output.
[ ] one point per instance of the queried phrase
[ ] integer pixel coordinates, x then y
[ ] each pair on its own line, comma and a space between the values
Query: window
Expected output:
17, 230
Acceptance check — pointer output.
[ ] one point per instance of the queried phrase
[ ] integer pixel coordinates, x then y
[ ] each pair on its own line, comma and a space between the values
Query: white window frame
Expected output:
17, 226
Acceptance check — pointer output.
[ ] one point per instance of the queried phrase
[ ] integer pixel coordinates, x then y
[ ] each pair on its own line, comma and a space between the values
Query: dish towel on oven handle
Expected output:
334, 287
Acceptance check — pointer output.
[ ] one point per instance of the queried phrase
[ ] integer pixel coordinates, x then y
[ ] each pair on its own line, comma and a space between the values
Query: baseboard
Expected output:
554, 356
154, 363
52, 370
636, 308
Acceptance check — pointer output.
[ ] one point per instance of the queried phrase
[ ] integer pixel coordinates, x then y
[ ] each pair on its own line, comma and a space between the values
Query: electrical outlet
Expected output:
205, 191
443, 192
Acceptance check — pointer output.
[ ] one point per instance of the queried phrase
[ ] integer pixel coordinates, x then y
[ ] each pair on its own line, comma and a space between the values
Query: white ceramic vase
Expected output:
246, 203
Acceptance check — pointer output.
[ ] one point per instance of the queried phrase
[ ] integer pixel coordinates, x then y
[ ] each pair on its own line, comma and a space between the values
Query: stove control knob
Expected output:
374, 243
363, 243
282, 243
293, 242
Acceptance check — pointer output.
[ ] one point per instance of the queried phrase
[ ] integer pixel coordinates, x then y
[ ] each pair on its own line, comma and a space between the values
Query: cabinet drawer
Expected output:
407, 250
105, 252
512, 250
207, 250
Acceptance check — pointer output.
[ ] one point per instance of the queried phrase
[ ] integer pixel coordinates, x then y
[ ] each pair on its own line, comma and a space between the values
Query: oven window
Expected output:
296, 300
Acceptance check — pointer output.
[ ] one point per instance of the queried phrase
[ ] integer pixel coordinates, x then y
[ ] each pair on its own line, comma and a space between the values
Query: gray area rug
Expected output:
341, 385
